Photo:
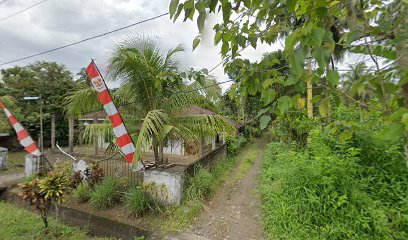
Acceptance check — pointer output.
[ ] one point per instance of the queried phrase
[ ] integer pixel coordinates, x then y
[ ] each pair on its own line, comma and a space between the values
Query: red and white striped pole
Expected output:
123, 138
22, 135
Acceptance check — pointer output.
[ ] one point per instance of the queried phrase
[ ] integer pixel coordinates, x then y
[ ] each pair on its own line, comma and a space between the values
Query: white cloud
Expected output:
58, 22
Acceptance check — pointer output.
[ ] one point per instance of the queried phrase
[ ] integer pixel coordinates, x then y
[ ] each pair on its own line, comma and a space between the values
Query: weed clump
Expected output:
200, 185
106, 193
82, 193
137, 201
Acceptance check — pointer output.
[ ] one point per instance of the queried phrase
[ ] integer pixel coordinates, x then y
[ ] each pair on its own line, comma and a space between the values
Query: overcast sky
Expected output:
58, 22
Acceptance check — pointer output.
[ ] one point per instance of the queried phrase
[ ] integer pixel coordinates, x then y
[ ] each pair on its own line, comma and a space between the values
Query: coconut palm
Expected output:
357, 85
153, 97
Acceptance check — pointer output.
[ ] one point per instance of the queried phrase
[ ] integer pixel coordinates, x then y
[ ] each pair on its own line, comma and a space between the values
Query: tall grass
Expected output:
82, 193
137, 201
200, 185
106, 193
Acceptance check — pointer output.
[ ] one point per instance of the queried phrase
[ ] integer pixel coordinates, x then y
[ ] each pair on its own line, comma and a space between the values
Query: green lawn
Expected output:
17, 223
15, 162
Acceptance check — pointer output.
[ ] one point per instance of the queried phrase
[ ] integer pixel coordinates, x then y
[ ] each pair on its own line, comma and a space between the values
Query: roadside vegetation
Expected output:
18, 223
354, 188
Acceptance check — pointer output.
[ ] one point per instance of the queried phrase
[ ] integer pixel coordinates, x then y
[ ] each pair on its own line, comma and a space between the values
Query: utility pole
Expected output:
71, 133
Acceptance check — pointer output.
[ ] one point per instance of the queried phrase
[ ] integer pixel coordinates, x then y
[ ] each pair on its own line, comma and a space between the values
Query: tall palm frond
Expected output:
206, 125
98, 129
152, 125
82, 101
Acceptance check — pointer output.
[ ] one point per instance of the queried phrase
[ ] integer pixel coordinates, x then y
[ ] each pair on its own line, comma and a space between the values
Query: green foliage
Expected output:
319, 30
55, 184
340, 186
200, 185
94, 175
37, 79
19, 223
82, 193
42, 193
106, 193
235, 144
291, 127
32, 194
137, 201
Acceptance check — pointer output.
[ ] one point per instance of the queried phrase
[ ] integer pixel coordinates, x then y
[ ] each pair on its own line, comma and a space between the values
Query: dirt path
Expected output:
234, 211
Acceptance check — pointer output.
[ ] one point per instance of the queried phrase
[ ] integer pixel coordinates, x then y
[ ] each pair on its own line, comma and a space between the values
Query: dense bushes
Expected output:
337, 188
235, 144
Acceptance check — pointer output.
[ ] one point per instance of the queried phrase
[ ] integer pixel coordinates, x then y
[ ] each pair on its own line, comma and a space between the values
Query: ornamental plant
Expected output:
42, 193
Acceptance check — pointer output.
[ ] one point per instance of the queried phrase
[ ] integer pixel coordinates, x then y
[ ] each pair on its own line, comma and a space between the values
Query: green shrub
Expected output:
106, 193
200, 185
292, 126
332, 193
82, 193
137, 201
235, 144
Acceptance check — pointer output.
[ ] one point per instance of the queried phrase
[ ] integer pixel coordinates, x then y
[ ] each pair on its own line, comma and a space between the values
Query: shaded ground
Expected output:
234, 211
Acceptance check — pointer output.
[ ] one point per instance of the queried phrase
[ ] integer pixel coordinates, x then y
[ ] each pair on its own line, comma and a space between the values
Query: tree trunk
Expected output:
44, 218
161, 154
156, 152
56, 211
71, 133
309, 86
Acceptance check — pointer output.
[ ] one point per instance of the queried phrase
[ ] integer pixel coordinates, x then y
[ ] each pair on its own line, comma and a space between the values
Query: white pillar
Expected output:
32, 165
3, 158
213, 143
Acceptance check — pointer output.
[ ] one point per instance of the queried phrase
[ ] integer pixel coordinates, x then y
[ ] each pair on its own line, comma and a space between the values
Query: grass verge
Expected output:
247, 163
17, 223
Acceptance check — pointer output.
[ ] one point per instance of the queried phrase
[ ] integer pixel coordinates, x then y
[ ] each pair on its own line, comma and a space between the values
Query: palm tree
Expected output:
356, 83
152, 96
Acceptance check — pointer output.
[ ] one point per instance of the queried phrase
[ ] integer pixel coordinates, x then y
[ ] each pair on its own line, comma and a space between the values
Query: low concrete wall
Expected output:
208, 159
174, 178
3, 158
169, 186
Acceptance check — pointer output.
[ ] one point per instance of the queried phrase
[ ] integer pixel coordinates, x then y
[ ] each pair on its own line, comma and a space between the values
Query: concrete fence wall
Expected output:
174, 179
3, 158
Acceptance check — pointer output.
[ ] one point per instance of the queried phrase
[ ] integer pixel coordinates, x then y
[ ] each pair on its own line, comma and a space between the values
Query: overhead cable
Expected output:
22, 10
84, 40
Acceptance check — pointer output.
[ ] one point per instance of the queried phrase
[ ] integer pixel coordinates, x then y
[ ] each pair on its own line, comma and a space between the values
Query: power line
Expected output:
21, 11
84, 40
3, 1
